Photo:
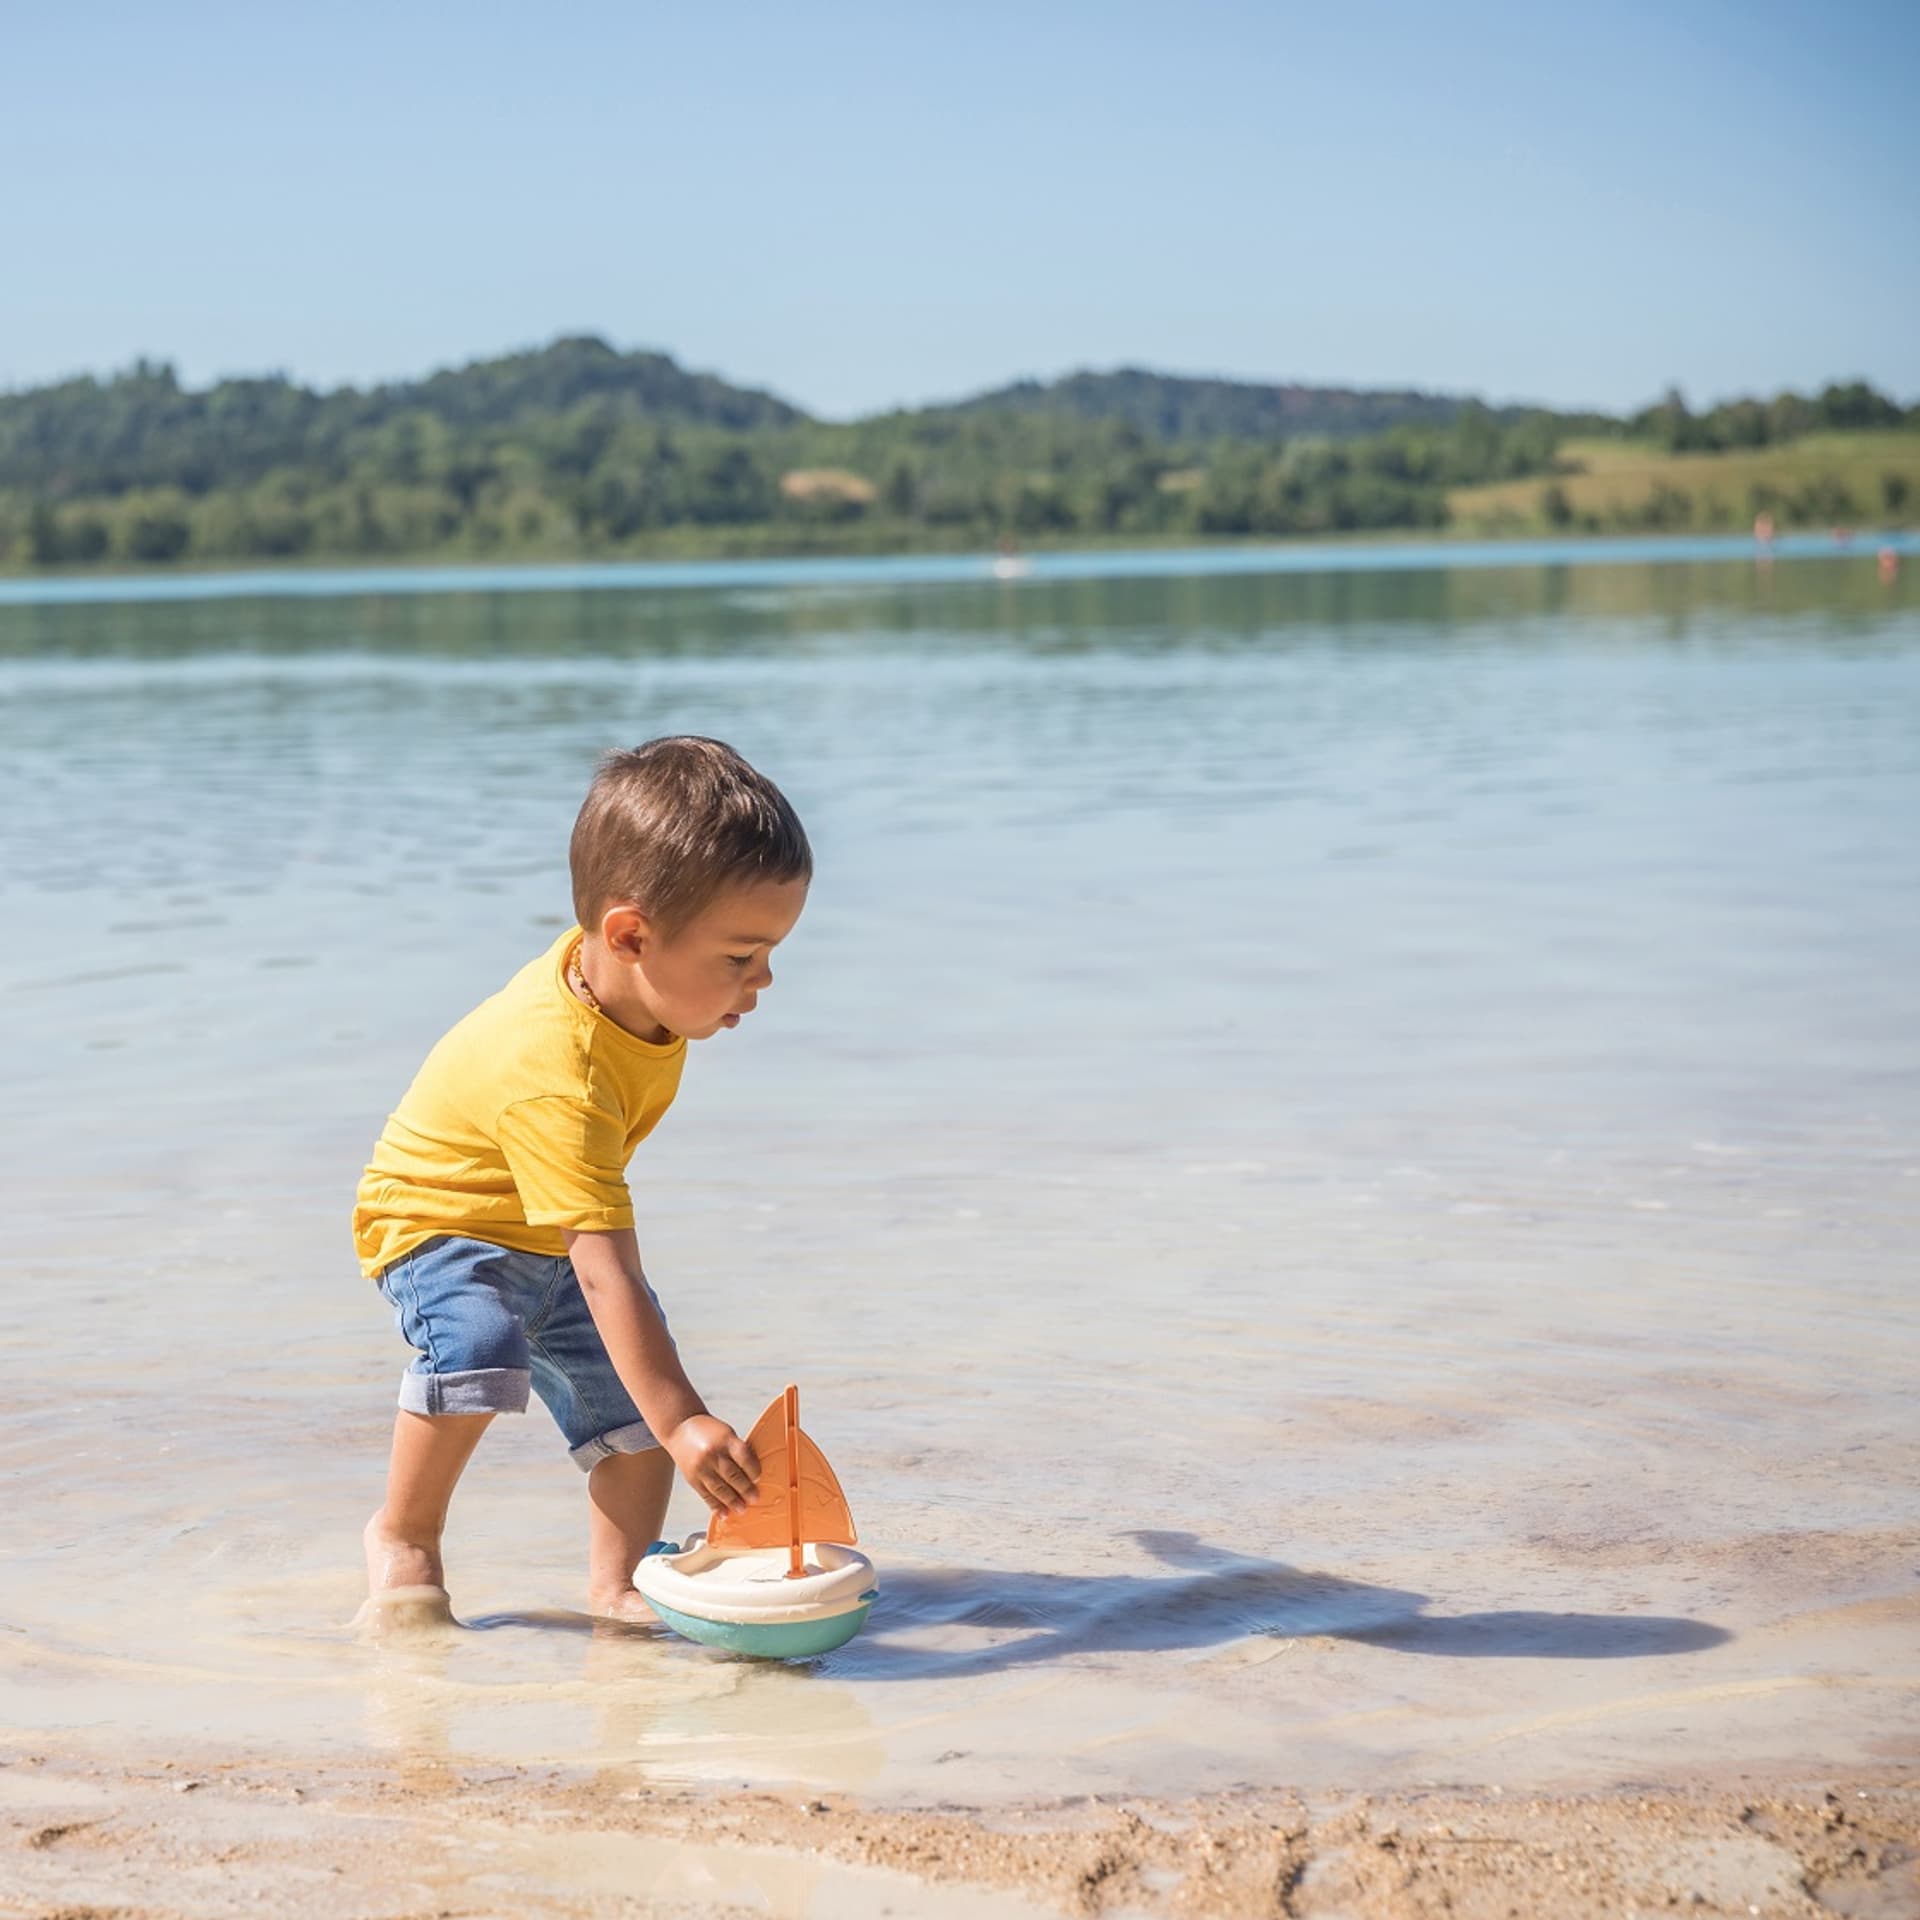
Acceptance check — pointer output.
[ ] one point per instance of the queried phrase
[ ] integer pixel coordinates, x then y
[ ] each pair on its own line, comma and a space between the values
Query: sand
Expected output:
165, 1842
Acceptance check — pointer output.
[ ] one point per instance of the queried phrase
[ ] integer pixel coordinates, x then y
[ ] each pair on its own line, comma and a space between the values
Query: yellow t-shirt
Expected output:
521, 1122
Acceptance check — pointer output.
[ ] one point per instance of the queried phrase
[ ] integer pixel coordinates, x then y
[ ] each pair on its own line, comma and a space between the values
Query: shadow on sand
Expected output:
1211, 1598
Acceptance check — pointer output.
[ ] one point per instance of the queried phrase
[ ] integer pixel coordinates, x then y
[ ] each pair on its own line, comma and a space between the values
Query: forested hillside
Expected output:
1172, 407
582, 450
143, 429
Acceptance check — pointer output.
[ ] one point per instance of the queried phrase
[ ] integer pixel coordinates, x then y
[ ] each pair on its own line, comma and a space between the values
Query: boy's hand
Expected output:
717, 1464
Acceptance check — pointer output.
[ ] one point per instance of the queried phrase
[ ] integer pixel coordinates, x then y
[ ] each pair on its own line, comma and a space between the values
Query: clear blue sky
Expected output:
859, 205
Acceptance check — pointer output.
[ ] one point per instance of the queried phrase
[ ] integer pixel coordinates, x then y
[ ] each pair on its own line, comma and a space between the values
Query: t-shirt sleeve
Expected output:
568, 1160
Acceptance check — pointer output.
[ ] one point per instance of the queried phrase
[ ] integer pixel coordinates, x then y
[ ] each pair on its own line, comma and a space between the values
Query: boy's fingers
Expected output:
718, 1491
745, 1454
739, 1483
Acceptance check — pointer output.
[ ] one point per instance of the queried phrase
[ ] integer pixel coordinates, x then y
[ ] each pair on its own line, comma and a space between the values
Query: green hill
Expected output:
143, 429
579, 450
585, 371
1181, 408
1868, 476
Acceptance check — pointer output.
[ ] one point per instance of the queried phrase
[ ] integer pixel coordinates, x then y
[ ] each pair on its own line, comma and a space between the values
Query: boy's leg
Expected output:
627, 1494
629, 1474
460, 1304
403, 1539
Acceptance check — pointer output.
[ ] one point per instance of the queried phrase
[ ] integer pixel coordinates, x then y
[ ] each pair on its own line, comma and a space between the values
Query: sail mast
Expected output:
796, 1560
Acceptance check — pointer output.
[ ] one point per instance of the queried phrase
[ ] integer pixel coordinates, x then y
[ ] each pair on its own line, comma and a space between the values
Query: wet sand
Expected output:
166, 1841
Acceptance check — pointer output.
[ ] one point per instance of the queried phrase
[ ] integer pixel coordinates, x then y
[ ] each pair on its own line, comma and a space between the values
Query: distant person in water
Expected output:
495, 1215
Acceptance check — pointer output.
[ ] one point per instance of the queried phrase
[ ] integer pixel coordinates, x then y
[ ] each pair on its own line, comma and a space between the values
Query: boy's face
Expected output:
709, 973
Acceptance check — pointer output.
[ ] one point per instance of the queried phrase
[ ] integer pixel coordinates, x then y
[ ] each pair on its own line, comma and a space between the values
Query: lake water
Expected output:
1337, 1157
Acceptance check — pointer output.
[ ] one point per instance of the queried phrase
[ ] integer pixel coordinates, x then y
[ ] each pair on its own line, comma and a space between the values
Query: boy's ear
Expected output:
627, 932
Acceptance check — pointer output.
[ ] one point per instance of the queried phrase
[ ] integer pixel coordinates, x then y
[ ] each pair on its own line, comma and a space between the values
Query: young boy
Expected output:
495, 1214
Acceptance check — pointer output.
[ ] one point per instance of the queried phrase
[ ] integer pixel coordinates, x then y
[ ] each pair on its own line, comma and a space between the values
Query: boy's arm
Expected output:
717, 1463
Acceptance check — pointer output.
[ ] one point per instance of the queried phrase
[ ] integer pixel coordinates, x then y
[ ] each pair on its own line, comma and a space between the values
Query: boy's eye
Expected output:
739, 959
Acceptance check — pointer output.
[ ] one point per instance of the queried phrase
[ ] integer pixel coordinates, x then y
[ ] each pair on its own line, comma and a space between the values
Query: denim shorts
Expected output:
488, 1323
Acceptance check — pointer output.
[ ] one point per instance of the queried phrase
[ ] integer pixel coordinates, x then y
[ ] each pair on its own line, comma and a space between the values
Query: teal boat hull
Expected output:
769, 1640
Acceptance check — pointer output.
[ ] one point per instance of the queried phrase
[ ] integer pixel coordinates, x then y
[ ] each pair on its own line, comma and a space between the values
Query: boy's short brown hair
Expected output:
669, 824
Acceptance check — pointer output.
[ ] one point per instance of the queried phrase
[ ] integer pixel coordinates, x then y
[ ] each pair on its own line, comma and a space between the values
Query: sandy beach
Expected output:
169, 1841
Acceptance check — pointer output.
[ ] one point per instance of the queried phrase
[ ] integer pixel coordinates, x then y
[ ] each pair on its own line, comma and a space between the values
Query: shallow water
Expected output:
1337, 1157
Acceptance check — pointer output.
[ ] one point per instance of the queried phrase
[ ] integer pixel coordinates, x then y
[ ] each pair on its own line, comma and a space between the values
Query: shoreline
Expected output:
154, 1839
1355, 554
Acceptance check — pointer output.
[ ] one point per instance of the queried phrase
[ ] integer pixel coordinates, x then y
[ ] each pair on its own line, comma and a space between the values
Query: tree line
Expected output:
577, 450
1851, 407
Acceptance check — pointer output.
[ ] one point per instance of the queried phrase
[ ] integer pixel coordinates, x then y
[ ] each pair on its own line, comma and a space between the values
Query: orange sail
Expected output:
800, 1499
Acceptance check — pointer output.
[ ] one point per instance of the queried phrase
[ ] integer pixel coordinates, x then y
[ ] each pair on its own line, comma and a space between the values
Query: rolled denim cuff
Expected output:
482, 1390
637, 1438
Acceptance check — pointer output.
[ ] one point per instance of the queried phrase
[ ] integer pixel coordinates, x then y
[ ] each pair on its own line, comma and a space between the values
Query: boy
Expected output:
495, 1214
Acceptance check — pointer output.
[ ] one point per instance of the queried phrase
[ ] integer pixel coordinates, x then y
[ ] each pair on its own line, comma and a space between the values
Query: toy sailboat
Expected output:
780, 1580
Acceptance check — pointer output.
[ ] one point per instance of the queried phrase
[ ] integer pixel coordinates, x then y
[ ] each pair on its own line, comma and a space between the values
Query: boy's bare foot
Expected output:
627, 1607
405, 1585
